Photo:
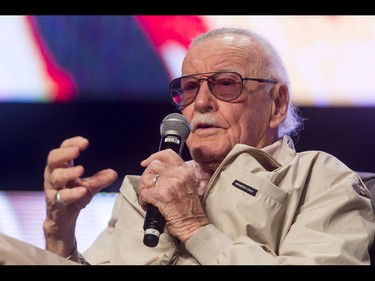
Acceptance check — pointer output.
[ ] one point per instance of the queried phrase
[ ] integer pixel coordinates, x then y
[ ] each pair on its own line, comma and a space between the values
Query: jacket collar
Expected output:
285, 153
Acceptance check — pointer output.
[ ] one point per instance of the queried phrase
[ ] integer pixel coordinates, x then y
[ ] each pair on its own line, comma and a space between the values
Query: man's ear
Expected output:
280, 102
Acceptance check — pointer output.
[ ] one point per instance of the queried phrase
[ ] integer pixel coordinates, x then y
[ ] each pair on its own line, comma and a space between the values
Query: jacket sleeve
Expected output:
211, 246
99, 251
334, 225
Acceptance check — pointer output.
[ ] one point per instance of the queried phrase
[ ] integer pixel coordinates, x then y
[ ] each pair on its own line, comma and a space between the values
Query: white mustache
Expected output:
203, 118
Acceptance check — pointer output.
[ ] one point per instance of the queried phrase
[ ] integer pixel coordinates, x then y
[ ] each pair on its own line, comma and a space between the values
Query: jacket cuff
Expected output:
207, 244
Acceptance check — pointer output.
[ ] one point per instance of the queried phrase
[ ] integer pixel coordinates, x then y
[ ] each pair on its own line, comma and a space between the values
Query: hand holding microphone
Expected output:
174, 130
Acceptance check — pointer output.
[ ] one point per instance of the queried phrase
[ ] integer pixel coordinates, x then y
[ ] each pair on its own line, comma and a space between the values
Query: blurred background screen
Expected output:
132, 58
106, 78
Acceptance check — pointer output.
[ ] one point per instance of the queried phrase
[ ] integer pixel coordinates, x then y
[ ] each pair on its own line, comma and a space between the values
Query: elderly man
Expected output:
246, 197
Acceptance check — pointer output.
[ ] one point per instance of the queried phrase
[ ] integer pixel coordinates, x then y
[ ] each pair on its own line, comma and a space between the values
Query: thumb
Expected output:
99, 180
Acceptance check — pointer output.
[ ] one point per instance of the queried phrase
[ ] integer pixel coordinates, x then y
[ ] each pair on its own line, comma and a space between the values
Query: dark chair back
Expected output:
369, 180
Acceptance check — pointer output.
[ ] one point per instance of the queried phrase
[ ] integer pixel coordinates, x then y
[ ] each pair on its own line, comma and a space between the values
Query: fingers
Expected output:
167, 156
158, 165
60, 168
173, 190
60, 177
78, 141
98, 181
160, 182
68, 151
61, 174
63, 197
83, 191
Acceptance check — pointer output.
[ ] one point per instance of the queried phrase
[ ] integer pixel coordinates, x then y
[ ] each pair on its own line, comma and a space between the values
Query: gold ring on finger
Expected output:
155, 179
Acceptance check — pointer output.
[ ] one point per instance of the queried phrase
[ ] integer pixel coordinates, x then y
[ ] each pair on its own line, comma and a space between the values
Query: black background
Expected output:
123, 134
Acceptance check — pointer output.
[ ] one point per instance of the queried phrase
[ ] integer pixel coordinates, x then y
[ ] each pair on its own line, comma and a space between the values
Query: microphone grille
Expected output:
176, 124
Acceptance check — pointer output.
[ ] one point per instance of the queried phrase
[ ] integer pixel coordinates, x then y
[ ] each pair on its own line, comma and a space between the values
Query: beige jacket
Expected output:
303, 208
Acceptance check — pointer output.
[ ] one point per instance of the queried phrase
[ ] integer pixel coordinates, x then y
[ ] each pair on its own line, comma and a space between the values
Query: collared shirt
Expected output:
203, 177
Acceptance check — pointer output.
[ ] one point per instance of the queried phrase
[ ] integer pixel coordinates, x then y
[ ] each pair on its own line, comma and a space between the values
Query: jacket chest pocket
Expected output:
247, 205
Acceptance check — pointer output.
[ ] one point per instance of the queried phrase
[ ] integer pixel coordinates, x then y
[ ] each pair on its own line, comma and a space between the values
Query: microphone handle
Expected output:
154, 222
153, 226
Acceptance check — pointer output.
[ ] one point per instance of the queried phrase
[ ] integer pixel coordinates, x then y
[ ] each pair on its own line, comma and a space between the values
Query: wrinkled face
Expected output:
244, 120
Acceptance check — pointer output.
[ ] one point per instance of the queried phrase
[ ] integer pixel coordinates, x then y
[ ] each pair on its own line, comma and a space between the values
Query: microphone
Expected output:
174, 130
